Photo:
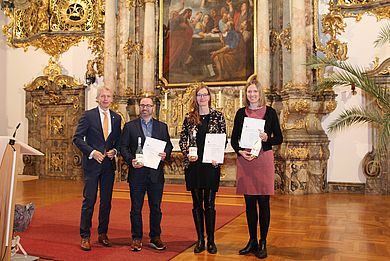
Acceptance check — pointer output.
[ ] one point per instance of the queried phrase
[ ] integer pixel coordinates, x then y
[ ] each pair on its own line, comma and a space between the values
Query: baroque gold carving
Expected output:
131, 48
330, 106
298, 153
96, 45
301, 106
52, 25
135, 3
333, 24
56, 162
56, 125
357, 8
282, 38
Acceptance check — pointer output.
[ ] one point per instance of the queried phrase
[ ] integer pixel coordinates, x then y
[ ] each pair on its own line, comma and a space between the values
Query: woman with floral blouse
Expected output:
202, 179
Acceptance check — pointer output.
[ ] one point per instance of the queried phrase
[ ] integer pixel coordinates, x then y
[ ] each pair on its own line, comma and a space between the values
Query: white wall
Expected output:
348, 147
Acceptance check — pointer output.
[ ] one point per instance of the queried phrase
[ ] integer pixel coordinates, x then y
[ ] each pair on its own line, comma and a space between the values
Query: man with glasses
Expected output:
143, 179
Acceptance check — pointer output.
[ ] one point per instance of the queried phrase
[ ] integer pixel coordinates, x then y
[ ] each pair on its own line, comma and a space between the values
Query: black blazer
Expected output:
128, 146
271, 127
89, 136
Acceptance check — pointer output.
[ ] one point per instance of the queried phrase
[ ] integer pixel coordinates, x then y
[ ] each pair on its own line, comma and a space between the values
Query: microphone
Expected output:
11, 141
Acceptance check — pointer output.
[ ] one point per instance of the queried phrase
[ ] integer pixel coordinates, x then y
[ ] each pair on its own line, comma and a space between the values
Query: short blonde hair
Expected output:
103, 88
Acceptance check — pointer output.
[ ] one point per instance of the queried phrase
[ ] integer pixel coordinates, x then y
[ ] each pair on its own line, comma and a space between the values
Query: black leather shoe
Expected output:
199, 246
211, 247
103, 239
262, 253
251, 247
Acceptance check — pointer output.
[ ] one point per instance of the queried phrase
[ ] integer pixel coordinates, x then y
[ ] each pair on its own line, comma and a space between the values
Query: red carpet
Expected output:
178, 188
54, 232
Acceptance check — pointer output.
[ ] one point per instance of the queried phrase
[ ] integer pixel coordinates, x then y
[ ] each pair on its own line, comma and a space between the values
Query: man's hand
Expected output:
111, 153
135, 165
163, 155
98, 156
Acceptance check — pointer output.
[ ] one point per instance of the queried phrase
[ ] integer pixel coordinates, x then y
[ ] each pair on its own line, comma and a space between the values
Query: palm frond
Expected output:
354, 116
347, 74
384, 36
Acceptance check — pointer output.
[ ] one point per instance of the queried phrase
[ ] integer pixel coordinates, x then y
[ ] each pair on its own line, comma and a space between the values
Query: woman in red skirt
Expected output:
256, 175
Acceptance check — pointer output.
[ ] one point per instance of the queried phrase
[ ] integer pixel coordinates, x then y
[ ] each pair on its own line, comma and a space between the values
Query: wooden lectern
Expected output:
9, 149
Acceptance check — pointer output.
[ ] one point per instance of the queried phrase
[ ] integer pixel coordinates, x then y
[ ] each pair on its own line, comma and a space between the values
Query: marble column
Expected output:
263, 45
298, 44
149, 50
110, 46
123, 36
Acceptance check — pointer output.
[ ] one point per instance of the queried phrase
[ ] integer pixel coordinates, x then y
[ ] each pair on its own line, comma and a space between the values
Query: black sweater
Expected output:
272, 128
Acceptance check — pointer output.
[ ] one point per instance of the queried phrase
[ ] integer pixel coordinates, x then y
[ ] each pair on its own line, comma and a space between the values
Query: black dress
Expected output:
200, 175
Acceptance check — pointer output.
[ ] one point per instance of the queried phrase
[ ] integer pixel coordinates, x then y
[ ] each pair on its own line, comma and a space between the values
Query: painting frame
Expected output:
208, 62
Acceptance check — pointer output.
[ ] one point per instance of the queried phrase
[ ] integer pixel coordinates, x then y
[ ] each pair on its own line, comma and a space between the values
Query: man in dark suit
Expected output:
97, 136
143, 179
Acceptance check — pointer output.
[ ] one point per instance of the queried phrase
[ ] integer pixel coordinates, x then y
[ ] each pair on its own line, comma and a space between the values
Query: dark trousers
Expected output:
137, 195
252, 216
105, 180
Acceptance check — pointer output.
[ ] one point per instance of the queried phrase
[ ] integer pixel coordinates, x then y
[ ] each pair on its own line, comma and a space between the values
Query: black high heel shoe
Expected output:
251, 247
262, 253
199, 246
211, 247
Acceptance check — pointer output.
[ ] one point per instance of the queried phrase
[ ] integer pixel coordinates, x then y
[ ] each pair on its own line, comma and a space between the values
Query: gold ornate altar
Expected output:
54, 104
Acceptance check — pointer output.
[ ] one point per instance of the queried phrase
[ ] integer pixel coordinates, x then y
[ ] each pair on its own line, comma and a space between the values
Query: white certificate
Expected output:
250, 132
214, 147
152, 147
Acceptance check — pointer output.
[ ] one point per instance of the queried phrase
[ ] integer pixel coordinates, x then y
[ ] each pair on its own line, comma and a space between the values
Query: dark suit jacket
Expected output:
129, 143
89, 137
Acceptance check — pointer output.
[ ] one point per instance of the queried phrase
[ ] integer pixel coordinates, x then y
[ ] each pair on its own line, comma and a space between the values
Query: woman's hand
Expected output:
263, 136
192, 158
246, 155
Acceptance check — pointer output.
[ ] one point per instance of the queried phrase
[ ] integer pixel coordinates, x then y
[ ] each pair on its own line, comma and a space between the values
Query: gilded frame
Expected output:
190, 59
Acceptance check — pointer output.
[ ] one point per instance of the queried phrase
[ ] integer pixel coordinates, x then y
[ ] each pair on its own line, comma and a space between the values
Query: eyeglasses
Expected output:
202, 95
146, 106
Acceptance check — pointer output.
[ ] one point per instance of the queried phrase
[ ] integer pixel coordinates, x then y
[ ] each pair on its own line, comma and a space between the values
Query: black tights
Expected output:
264, 215
200, 195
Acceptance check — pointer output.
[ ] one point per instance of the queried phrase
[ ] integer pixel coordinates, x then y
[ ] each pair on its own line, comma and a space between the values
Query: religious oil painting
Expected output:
209, 41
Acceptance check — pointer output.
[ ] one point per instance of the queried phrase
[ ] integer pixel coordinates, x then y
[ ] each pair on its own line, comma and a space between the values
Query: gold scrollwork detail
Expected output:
298, 124
135, 3
52, 70
96, 45
282, 38
54, 45
357, 8
333, 24
131, 48
57, 125
56, 162
52, 25
330, 105
298, 153
301, 106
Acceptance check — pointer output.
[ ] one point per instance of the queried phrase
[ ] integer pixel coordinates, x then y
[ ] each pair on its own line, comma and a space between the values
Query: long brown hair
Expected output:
255, 82
194, 117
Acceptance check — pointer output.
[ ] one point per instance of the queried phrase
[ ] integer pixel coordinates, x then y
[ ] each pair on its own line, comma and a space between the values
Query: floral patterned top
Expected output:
217, 124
